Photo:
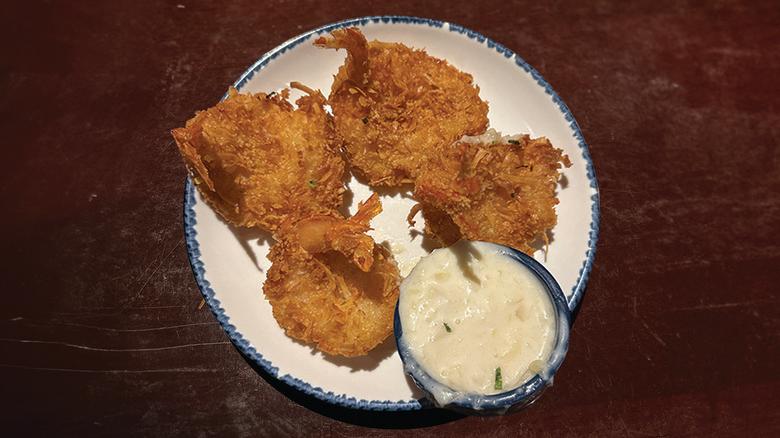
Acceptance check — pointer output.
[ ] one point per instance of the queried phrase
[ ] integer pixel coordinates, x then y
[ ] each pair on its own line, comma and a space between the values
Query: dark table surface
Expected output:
100, 330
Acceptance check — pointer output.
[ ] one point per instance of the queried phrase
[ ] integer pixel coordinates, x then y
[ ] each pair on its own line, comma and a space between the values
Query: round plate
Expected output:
230, 263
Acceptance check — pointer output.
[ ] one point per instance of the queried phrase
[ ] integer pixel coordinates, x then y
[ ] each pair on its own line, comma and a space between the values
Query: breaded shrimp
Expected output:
330, 285
501, 192
395, 107
258, 162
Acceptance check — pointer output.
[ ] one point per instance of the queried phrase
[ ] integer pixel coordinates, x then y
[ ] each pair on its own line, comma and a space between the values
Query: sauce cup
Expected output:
513, 399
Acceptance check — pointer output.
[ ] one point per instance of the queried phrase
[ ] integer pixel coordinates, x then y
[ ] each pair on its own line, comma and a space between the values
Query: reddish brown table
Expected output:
100, 330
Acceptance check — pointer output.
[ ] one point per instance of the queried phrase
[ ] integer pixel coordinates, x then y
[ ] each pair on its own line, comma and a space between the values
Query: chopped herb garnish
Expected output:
270, 95
513, 142
447, 327
312, 184
499, 383
365, 120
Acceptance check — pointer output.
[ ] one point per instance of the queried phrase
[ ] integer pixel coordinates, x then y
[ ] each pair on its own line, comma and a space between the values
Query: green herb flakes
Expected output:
312, 183
447, 327
499, 384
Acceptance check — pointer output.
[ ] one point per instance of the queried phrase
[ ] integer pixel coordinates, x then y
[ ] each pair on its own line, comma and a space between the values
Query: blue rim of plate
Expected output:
193, 247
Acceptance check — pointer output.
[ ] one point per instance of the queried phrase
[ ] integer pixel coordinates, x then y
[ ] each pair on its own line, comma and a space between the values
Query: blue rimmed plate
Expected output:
230, 264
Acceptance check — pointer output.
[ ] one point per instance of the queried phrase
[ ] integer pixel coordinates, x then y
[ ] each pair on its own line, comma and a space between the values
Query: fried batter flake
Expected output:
258, 161
395, 107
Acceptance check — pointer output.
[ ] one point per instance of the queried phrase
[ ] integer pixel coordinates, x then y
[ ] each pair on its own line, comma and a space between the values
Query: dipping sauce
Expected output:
476, 320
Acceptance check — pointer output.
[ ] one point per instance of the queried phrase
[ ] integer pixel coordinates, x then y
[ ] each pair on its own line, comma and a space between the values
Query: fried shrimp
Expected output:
258, 161
330, 285
499, 190
395, 107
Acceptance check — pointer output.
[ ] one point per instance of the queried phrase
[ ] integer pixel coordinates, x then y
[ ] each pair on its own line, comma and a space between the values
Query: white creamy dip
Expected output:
468, 310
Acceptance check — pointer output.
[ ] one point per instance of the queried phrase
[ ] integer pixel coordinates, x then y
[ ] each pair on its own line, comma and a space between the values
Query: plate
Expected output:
230, 263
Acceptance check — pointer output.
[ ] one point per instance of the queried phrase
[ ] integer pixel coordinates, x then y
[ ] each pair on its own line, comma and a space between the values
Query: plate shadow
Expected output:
246, 236
367, 362
425, 417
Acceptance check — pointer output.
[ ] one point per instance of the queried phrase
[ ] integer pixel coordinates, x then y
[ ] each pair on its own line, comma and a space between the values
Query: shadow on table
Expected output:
428, 416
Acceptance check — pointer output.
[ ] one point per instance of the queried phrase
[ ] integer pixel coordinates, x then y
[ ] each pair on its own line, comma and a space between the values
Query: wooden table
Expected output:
100, 330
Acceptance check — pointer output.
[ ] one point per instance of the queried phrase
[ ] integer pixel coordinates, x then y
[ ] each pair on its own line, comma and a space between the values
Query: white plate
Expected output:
230, 264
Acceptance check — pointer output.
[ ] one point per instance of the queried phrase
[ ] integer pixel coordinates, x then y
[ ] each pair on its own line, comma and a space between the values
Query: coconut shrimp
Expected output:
500, 190
258, 161
330, 285
395, 106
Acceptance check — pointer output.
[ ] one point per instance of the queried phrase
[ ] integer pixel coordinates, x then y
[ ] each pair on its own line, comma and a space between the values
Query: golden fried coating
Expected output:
395, 106
330, 285
257, 161
497, 192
